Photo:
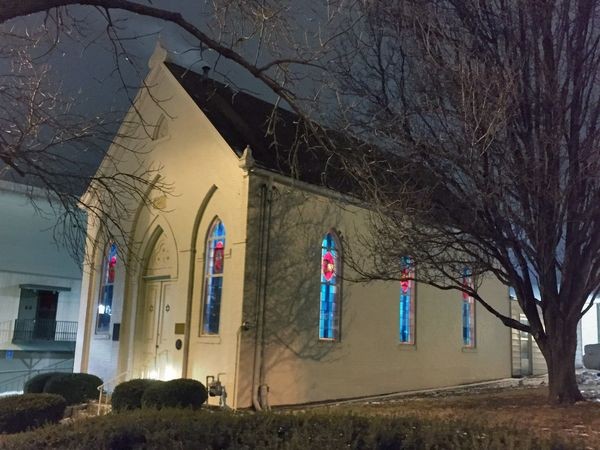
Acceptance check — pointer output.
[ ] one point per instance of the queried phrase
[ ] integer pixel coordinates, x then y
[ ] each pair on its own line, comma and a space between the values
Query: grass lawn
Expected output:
523, 408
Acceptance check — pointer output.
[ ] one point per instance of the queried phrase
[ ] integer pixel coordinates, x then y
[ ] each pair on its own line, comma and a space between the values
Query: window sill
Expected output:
102, 337
209, 339
469, 350
328, 341
406, 347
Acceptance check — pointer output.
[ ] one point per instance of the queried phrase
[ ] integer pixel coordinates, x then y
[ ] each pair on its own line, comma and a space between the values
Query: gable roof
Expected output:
275, 135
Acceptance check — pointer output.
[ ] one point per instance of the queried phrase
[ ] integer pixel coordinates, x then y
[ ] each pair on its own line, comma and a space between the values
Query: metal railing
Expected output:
17, 381
105, 387
28, 330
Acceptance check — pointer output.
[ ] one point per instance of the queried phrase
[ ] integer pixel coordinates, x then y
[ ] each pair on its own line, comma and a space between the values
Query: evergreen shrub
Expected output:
21, 412
74, 387
35, 385
206, 429
179, 393
128, 395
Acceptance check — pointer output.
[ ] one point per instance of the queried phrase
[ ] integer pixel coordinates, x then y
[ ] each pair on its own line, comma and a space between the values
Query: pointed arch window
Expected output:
329, 313
105, 299
213, 278
468, 311
407, 302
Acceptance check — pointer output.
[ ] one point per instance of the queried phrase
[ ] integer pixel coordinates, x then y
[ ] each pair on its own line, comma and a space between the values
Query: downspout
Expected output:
258, 302
259, 388
264, 387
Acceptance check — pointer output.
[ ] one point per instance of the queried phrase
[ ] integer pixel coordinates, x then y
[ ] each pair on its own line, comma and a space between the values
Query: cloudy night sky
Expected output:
83, 62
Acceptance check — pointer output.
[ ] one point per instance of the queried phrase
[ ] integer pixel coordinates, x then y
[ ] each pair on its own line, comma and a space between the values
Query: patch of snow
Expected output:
589, 383
10, 393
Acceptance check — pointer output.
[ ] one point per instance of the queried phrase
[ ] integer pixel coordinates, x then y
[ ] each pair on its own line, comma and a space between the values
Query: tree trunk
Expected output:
559, 350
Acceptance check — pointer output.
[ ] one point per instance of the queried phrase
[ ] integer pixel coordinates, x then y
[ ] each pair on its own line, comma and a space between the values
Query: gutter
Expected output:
303, 185
259, 388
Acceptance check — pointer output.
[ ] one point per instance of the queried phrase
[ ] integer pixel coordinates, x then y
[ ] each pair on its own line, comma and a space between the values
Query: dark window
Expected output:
105, 299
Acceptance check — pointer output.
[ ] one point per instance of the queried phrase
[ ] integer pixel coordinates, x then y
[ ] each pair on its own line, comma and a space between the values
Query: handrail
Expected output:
28, 330
26, 373
101, 387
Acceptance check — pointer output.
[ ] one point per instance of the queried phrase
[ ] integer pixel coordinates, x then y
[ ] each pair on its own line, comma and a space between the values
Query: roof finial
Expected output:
246, 160
159, 55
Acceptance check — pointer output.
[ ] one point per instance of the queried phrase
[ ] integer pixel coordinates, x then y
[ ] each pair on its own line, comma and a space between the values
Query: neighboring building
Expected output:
238, 274
39, 289
527, 358
589, 328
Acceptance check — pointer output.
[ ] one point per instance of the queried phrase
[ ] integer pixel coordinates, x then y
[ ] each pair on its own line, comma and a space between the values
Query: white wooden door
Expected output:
155, 327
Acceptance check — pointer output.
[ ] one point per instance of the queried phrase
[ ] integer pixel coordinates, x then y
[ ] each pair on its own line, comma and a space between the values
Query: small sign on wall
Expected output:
116, 331
180, 328
9, 355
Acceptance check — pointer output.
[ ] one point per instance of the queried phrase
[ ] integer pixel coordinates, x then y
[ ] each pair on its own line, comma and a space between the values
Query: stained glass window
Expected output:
213, 285
407, 302
468, 311
105, 299
329, 305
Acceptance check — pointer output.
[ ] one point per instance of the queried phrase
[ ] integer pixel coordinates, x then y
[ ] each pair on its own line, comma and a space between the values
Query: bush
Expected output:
74, 387
20, 412
179, 393
203, 429
128, 395
35, 385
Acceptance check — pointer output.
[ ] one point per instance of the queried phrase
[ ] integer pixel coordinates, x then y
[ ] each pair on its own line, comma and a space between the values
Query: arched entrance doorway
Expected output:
155, 353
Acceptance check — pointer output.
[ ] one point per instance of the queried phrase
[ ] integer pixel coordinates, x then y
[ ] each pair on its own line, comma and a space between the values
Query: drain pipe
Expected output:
258, 303
259, 388
264, 387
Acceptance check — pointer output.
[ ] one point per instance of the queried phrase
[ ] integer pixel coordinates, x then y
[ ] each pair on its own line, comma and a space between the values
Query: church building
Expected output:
238, 273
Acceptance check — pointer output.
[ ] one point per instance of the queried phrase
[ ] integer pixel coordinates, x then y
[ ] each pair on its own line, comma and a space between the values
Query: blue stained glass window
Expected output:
468, 311
105, 299
213, 286
328, 311
407, 298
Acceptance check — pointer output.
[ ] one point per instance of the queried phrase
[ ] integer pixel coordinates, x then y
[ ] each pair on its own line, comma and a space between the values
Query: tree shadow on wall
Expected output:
298, 224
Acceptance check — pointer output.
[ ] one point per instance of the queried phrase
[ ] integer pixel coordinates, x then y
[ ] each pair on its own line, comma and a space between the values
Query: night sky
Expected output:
83, 64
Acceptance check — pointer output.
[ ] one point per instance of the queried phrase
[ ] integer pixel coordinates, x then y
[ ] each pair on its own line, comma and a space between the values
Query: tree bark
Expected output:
559, 348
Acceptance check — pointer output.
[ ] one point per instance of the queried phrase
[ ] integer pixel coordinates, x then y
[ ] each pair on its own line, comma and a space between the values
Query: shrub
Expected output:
171, 428
20, 412
128, 395
179, 393
35, 385
74, 387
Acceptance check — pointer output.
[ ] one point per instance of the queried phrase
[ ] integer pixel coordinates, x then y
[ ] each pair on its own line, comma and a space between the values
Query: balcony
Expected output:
33, 331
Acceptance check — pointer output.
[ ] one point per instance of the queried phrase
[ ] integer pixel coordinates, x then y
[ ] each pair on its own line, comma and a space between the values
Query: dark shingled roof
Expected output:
275, 135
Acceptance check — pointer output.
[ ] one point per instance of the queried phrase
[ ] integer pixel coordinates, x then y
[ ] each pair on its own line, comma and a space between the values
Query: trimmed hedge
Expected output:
20, 412
128, 395
179, 393
74, 387
35, 385
205, 429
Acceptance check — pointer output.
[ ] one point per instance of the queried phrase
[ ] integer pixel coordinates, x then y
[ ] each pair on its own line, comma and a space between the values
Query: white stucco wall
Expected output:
203, 173
368, 358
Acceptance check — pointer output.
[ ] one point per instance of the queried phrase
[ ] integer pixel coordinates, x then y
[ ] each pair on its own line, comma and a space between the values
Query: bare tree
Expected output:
486, 119
44, 142
47, 145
